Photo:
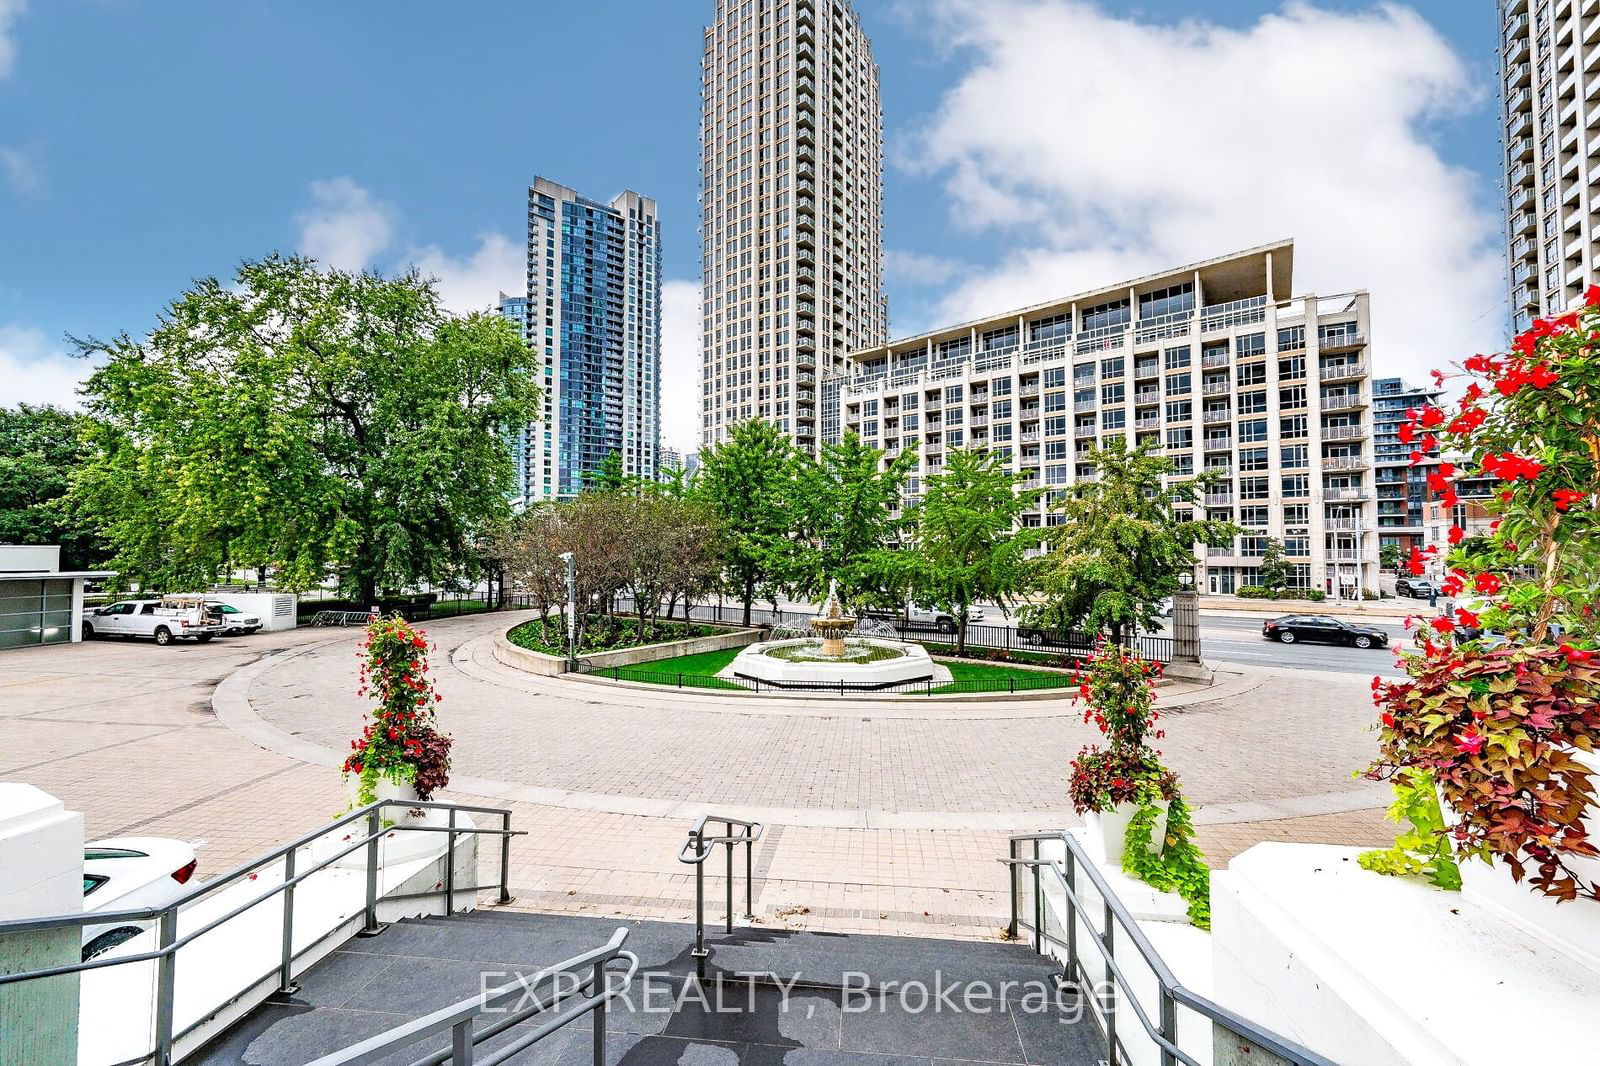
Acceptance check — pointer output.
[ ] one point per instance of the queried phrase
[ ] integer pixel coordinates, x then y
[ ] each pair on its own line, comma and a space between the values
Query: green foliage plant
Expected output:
1423, 849
1177, 865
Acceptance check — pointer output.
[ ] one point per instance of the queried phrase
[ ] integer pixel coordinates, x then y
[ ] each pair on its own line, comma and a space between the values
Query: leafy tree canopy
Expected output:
1123, 544
312, 421
844, 509
39, 449
965, 544
750, 481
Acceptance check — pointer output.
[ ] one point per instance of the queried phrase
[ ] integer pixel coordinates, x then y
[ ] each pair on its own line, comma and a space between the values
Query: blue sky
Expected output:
144, 143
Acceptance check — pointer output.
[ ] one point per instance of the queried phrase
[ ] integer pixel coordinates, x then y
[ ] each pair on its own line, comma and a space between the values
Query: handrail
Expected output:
458, 1018
169, 942
1169, 988
695, 851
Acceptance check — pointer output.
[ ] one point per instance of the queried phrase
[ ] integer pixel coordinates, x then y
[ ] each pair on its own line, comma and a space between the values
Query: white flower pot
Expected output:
1105, 831
385, 789
1573, 928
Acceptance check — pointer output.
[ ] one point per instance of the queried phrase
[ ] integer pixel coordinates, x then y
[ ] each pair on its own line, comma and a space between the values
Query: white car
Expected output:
233, 621
151, 618
131, 873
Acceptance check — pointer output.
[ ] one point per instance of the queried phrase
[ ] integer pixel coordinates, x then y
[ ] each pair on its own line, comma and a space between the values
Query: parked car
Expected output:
1320, 628
1080, 643
164, 620
232, 620
131, 873
1418, 588
914, 617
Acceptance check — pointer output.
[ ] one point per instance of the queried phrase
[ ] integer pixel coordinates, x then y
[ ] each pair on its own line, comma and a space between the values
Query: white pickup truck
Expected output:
163, 620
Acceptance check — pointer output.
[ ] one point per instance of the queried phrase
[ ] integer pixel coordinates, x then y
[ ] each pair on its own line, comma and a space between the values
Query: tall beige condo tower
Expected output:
791, 209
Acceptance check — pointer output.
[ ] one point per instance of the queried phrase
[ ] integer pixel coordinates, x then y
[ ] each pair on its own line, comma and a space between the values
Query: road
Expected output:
1227, 637
1231, 638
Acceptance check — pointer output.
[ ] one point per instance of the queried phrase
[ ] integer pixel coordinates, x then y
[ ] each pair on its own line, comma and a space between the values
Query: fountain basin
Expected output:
801, 663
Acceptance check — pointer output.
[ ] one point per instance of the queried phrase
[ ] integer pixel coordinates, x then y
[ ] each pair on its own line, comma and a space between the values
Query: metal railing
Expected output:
1117, 992
696, 850
166, 917
458, 1018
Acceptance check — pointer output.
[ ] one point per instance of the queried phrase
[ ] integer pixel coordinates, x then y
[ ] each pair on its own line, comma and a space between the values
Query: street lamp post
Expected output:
572, 610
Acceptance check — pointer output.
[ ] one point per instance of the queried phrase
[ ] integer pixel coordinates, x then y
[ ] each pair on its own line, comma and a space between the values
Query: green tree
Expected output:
608, 477
40, 447
1274, 566
1123, 544
749, 481
310, 421
1389, 555
844, 509
966, 545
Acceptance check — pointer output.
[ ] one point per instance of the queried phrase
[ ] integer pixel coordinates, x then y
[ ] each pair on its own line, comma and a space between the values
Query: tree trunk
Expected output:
961, 633
749, 598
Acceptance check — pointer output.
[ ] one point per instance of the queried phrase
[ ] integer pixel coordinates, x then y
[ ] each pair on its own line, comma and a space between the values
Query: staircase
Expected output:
771, 996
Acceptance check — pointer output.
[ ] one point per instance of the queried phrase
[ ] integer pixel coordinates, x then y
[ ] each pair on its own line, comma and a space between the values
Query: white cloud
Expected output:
919, 268
344, 227
474, 283
1113, 147
10, 11
36, 370
680, 365
21, 169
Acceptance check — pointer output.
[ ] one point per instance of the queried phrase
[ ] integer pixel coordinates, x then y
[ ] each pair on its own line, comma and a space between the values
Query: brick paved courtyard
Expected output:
881, 818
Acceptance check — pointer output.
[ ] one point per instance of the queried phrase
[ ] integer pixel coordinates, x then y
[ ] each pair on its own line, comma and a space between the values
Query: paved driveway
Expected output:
886, 823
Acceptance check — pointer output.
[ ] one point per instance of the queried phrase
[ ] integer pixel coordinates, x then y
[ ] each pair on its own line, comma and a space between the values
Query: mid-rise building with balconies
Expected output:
1215, 363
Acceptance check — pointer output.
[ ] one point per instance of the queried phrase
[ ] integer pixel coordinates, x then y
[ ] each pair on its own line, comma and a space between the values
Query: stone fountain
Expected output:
836, 652
832, 623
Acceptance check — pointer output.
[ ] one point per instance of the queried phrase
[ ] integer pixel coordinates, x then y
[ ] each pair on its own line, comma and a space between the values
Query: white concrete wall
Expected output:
26, 557
41, 873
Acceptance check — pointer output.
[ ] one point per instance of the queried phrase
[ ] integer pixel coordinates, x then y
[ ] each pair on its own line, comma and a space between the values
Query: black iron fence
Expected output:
927, 687
942, 634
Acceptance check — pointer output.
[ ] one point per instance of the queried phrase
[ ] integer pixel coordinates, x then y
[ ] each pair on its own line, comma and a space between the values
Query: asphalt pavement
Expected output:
1227, 637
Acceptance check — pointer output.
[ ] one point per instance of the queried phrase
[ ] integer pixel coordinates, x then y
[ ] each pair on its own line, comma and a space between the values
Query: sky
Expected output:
1034, 148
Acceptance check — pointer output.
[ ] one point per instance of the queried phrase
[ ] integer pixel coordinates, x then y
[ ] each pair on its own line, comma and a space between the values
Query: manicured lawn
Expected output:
698, 670
998, 676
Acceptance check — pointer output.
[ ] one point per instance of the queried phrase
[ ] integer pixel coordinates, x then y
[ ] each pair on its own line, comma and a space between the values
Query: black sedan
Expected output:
1321, 629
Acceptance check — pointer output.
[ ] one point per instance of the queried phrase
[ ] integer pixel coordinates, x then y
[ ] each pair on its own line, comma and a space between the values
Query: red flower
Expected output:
1407, 432
1443, 624
1414, 564
1387, 719
1466, 618
1432, 417
1509, 467
1542, 377
1486, 584
1457, 534
1591, 296
1565, 498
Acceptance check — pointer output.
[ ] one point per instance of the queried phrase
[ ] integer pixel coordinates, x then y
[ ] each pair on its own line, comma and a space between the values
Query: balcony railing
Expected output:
1344, 371
1215, 418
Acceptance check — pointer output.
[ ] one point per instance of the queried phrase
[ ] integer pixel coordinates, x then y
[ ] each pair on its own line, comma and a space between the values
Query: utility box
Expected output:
41, 874
275, 609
